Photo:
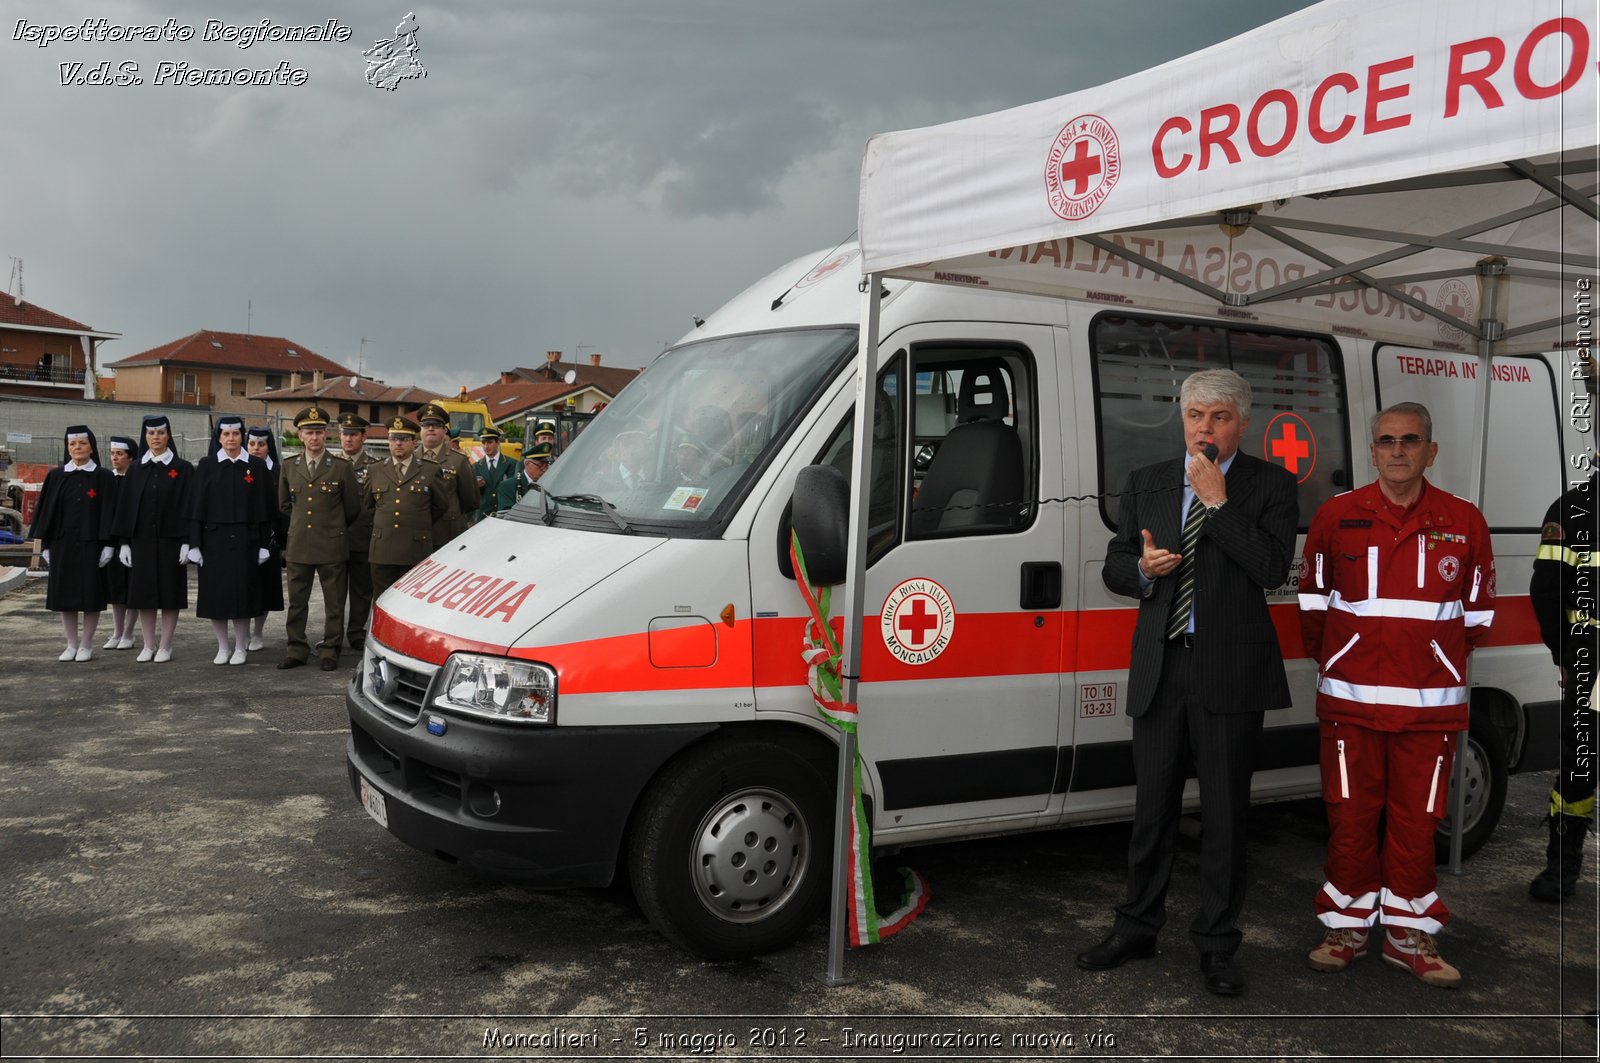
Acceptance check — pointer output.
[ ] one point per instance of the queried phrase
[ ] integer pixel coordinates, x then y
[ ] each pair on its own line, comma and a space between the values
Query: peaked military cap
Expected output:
433, 412
403, 426
352, 422
538, 452
545, 428
491, 433
312, 416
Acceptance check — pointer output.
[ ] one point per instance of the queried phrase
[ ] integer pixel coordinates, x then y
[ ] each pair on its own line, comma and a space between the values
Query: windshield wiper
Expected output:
548, 501
605, 507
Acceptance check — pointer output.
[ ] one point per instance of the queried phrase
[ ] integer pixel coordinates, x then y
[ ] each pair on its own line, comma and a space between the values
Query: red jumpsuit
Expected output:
1391, 603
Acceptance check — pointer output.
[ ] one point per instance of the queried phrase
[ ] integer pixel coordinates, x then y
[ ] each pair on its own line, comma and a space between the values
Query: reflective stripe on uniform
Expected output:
1567, 556
1396, 608
1411, 697
1560, 807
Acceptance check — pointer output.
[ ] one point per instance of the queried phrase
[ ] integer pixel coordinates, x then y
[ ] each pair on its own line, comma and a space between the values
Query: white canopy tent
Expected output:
1417, 171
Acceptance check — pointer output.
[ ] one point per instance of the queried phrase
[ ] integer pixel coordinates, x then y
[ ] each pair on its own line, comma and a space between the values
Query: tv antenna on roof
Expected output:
16, 277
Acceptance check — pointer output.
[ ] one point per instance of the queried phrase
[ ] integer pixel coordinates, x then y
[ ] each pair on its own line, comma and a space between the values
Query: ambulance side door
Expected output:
960, 696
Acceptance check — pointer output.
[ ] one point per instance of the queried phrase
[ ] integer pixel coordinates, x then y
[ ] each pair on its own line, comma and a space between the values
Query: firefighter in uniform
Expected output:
358, 572
1563, 594
406, 499
460, 483
497, 476
317, 494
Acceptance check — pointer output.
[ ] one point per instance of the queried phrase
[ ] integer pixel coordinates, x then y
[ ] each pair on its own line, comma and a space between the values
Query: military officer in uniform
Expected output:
460, 483
317, 493
497, 476
535, 461
405, 498
545, 432
358, 572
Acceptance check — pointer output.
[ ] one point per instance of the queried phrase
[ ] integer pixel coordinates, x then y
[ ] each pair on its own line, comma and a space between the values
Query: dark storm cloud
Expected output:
579, 172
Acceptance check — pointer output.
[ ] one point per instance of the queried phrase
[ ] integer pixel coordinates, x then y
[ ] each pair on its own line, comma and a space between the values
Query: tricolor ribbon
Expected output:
821, 654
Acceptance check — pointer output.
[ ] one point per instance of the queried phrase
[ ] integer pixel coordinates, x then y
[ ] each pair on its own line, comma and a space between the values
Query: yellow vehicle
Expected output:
468, 419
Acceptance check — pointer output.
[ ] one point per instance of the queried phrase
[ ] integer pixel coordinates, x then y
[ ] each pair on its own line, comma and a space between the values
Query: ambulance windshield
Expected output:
683, 443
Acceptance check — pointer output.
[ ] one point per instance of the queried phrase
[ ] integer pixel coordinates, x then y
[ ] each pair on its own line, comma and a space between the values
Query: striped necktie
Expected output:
1183, 600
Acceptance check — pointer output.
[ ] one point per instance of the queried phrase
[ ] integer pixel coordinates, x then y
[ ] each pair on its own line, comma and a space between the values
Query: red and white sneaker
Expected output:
1341, 947
1416, 952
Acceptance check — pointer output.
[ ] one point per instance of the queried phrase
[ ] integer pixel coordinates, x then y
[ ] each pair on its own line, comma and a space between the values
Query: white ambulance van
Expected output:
609, 679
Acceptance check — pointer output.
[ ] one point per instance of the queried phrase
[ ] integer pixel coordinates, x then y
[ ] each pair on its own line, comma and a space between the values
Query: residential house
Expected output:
372, 399
604, 378
221, 370
44, 354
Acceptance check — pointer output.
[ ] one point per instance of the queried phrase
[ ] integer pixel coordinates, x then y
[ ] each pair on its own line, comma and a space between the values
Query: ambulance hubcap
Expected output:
1474, 784
750, 855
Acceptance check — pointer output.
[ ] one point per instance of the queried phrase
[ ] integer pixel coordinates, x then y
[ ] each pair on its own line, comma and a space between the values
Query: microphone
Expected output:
1209, 450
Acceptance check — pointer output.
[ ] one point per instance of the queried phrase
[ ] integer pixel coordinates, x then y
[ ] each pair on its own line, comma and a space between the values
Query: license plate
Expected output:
372, 801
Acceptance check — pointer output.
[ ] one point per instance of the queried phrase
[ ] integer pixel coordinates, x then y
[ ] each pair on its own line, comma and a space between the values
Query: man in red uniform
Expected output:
1396, 587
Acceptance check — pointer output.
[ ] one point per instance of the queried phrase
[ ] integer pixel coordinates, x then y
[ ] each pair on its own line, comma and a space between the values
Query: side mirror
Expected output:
821, 516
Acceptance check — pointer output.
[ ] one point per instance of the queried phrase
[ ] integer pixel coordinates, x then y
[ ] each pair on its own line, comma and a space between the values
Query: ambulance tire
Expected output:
730, 852
1487, 773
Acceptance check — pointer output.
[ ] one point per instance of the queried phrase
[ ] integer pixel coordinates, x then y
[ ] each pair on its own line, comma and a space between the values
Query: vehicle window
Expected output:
883, 504
972, 440
467, 424
1525, 449
1297, 419
683, 442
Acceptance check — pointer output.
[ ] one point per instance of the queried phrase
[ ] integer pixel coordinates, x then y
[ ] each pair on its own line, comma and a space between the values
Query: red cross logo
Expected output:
1290, 442
172, 474
249, 479
917, 621
1080, 168
91, 492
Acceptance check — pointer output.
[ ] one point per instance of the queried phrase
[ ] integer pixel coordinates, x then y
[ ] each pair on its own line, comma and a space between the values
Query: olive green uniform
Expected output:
321, 504
460, 486
359, 571
405, 509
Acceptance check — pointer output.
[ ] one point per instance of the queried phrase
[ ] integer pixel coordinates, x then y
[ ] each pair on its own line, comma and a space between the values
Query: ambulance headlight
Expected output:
497, 688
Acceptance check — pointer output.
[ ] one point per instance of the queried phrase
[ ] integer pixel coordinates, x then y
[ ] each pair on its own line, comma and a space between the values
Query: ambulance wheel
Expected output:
729, 856
1485, 783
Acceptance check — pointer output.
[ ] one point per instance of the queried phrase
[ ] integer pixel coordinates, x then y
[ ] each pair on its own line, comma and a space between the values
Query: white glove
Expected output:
125, 555
46, 555
105, 556
261, 556
194, 555
183, 553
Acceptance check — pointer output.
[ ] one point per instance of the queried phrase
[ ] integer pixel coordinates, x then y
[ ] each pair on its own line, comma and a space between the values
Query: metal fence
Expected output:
31, 429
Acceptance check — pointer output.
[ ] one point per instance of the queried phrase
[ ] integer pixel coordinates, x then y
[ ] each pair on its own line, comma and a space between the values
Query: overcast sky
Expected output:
581, 176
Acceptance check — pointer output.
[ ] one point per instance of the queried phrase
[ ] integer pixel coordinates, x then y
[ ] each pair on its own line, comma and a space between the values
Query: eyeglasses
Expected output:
1408, 442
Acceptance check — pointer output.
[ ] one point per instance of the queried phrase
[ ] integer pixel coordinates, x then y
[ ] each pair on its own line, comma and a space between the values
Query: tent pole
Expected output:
1491, 272
855, 598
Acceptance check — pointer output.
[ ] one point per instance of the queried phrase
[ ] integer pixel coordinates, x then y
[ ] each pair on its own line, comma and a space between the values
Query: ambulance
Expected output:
608, 679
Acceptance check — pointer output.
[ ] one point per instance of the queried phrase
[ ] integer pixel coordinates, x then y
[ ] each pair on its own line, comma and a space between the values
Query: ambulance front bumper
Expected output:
545, 807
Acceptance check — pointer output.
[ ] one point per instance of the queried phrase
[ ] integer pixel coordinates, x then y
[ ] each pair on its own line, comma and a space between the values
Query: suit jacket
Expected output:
1244, 551
320, 509
404, 510
499, 484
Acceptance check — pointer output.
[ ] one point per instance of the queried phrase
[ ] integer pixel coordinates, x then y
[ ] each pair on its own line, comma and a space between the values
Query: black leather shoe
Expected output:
291, 662
1222, 977
1116, 950
330, 663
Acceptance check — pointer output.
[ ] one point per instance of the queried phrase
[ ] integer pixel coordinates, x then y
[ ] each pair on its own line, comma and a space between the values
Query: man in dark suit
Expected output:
1200, 541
